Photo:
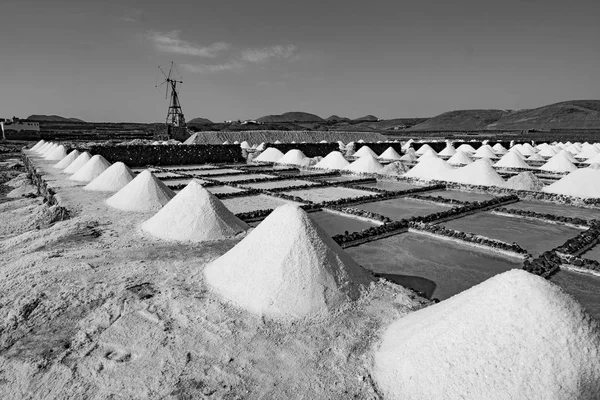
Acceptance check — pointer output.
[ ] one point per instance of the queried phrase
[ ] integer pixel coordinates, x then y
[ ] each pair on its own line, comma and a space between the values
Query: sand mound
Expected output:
448, 151
333, 160
92, 169
559, 163
294, 157
390, 154
365, 164
113, 179
57, 154
423, 149
38, 145
584, 183
271, 154
365, 150
485, 151
477, 173
78, 163
460, 158
431, 169
144, 193
524, 181
511, 160
194, 215
514, 336
66, 161
395, 168
287, 268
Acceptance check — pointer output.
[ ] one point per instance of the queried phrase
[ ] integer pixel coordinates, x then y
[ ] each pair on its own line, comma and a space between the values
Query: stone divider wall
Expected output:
61, 213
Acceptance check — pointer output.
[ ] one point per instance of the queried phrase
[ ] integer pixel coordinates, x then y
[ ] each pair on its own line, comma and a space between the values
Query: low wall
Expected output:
142, 154
259, 136
309, 149
60, 213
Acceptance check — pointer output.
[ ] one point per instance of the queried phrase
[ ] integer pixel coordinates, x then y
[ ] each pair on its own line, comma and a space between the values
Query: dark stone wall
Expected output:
309, 149
379, 147
142, 155
439, 146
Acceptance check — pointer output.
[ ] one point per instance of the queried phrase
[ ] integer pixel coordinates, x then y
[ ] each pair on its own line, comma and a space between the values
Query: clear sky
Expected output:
97, 60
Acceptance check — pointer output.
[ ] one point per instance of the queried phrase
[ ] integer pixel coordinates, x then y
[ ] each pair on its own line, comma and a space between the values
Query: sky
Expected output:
97, 60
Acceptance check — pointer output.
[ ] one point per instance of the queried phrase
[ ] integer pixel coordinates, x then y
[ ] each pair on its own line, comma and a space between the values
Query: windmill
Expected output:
175, 113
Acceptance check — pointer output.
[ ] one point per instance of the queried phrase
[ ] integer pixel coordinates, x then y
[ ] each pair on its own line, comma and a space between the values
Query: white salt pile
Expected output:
113, 179
78, 163
535, 157
92, 169
568, 155
409, 157
524, 181
499, 149
485, 151
49, 150
390, 154
57, 154
593, 160
365, 150
287, 268
244, 145
42, 150
271, 154
194, 215
365, 164
466, 148
511, 160
547, 151
395, 168
428, 154
333, 160
38, 145
514, 336
261, 147
584, 183
559, 163
587, 153
477, 173
294, 157
431, 169
460, 158
65, 162
407, 144
423, 149
516, 150
226, 142
526, 149
144, 193
448, 151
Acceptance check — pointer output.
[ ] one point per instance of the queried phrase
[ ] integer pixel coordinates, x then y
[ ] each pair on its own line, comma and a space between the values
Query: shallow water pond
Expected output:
318, 195
253, 203
585, 288
459, 195
245, 177
534, 236
207, 172
390, 185
279, 184
400, 208
437, 268
557, 209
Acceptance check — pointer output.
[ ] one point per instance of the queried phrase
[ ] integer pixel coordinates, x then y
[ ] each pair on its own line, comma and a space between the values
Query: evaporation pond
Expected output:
339, 178
557, 209
245, 177
401, 207
584, 287
223, 189
435, 267
219, 171
166, 175
330, 193
182, 181
459, 195
279, 184
534, 236
253, 203
390, 185
191, 166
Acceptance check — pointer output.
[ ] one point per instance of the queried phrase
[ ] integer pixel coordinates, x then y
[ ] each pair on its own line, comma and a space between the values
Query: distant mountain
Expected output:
575, 114
462, 120
291, 117
367, 118
52, 118
334, 118
199, 121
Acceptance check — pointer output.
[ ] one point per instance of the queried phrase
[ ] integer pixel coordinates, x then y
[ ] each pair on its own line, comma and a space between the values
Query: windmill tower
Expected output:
175, 116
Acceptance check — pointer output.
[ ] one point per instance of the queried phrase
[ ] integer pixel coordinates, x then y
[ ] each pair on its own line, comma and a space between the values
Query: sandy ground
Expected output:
91, 308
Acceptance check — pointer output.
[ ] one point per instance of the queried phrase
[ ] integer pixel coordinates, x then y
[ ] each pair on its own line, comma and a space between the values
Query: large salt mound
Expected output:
65, 162
559, 163
593, 160
584, 183
460, 158
477, 173
428, 154
294, 157
78, 163
395, 168
424, 149
43, 148
466, 148
113, 179
92, 169
499, 149
524, 181
287, 268
333, 160
588, 152
409, 157
48, 150
365, 150
194, 215
57, 154
448, 151
514, 336
38, 145
511, 160
365, 164
548, 151
390, 154
431, 169
535, 157
485, 151
144, 193
568, 155
271, 154
516, 150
